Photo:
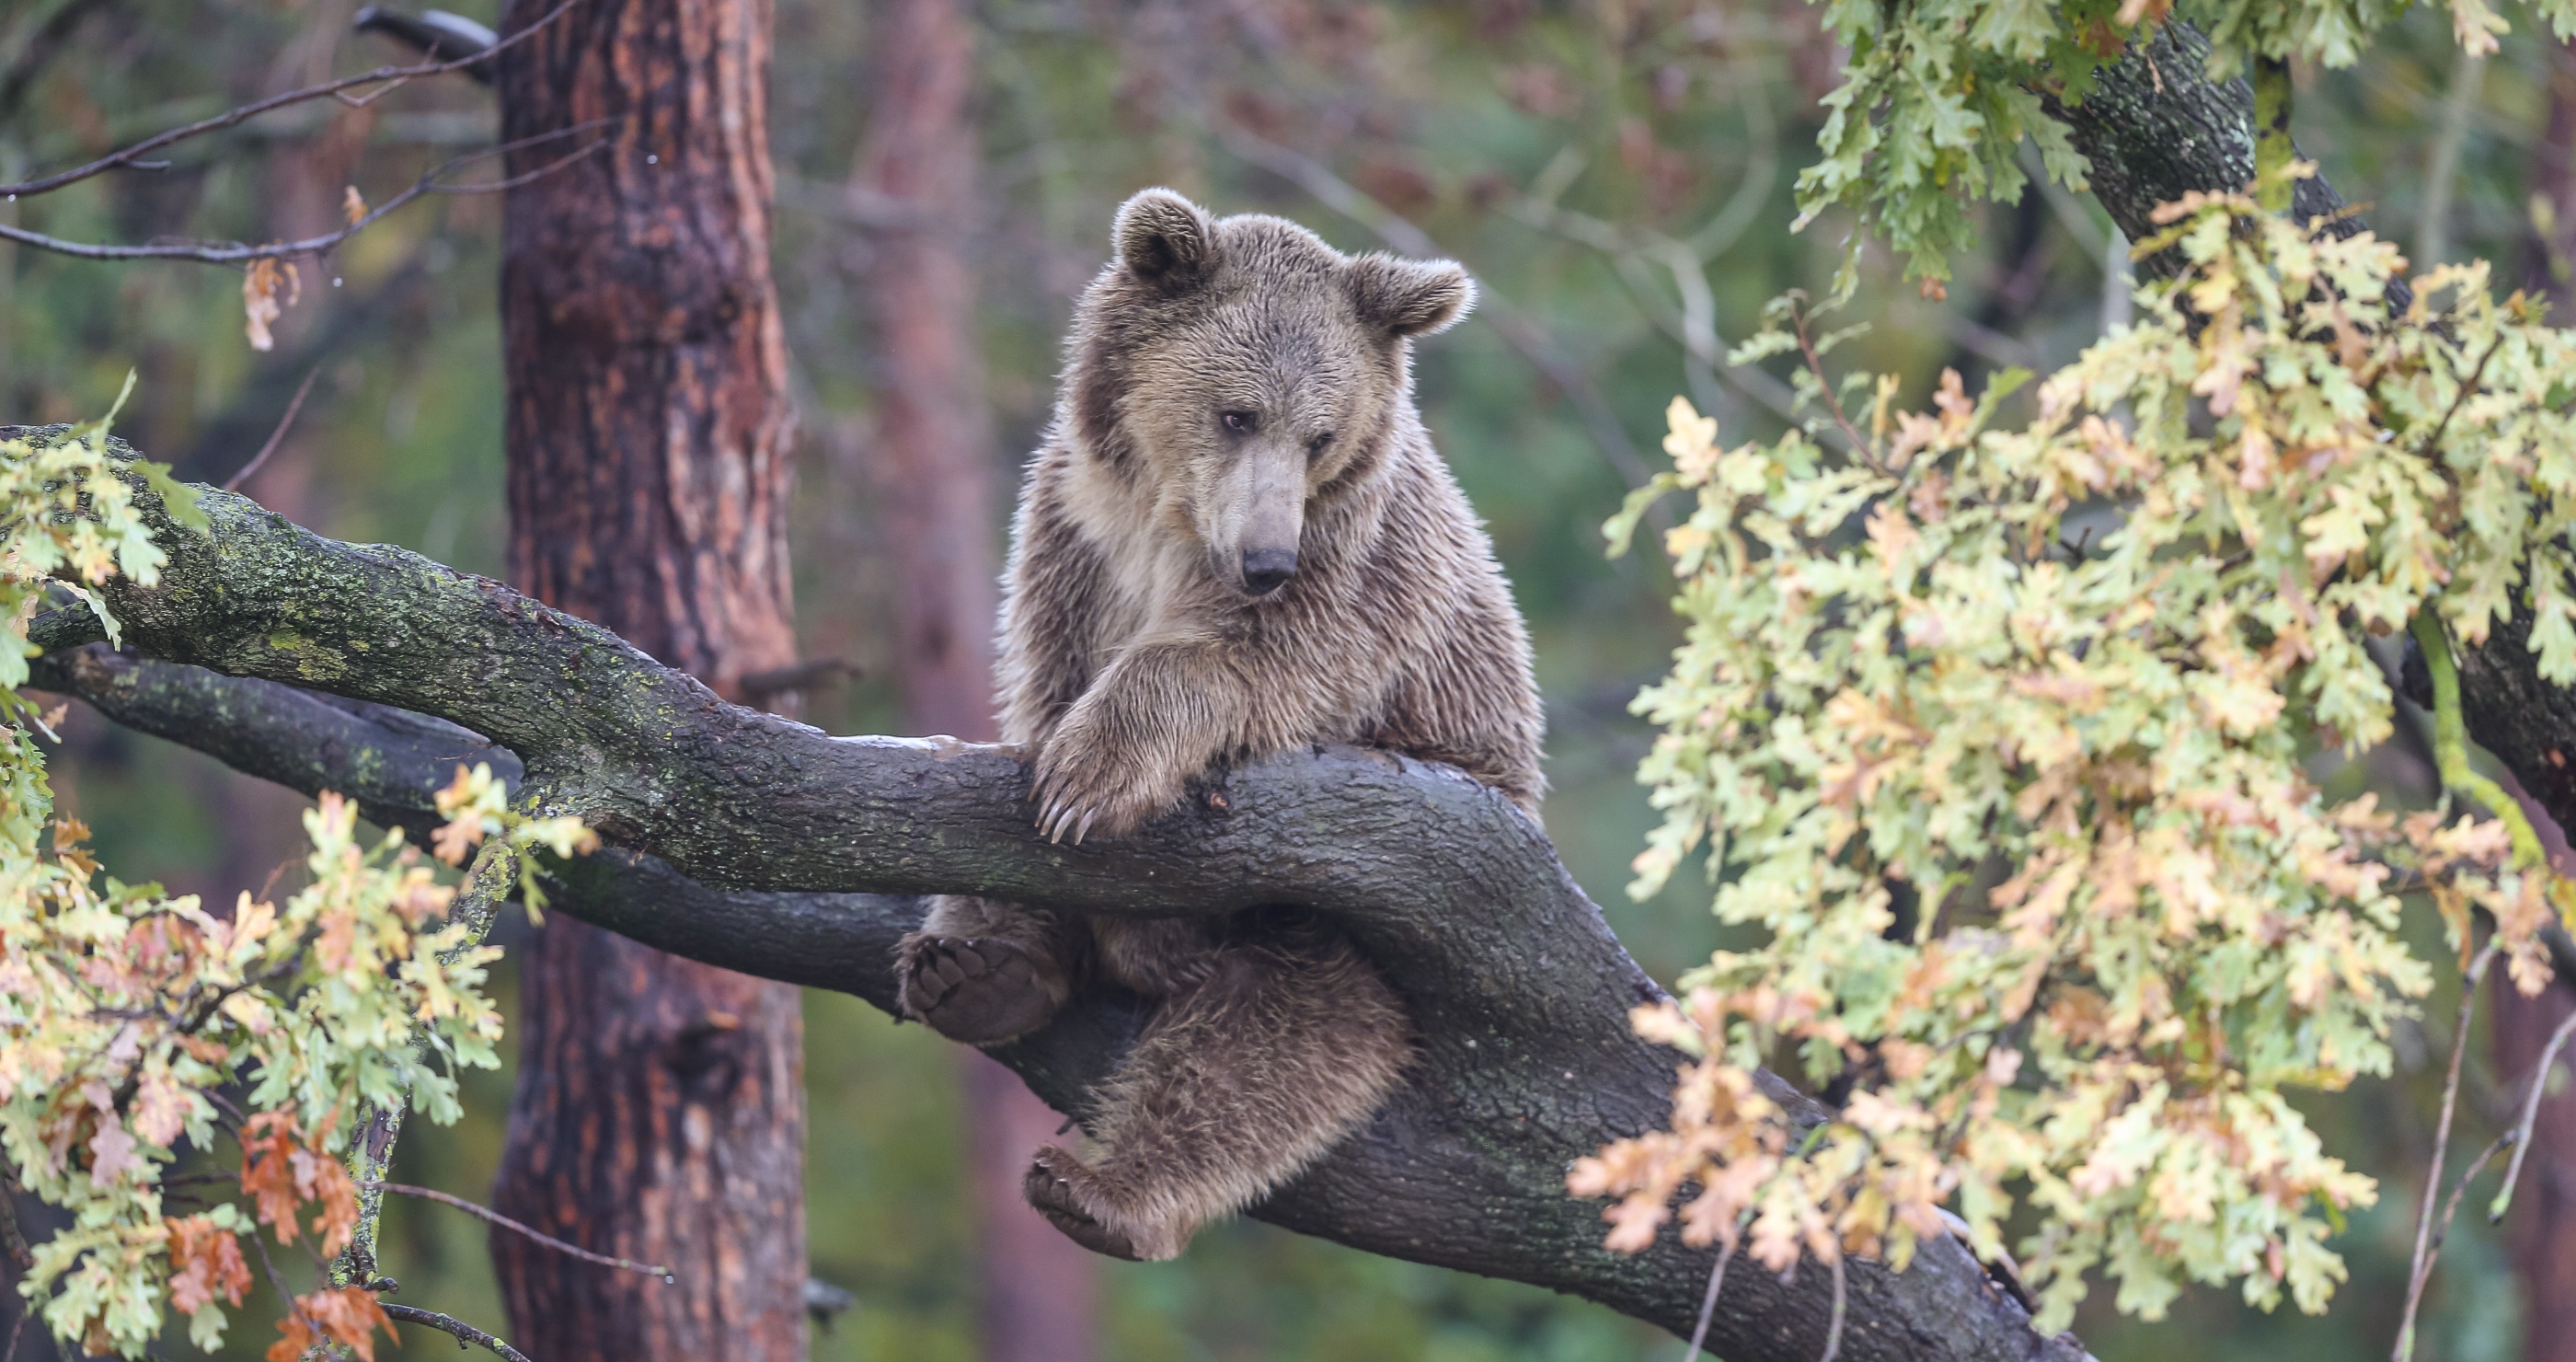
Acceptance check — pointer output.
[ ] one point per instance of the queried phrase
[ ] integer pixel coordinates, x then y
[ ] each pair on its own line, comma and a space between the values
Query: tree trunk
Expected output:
930, 469
2541, 1239
2540, 1235
660, 1108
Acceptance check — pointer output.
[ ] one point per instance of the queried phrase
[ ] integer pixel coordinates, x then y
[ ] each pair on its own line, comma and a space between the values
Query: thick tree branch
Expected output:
760, 844
2155, 128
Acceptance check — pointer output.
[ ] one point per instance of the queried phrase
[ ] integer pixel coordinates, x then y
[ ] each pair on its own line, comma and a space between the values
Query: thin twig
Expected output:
246, 112
237, 253
233, 483
2521, 1132
505, 1222
2451, 1206
2476, 375
1834, 1332
1693, 326
461, 1331
1708, 1303
294, 1303
1816, 365
2422, 1266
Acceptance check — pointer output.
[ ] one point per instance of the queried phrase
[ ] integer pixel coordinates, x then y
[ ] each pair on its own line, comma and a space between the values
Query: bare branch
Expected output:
2520, 1135
491, 1216
455, 1328
243, 474
1861, 449
239, 253
389, 76
2421, 1269
1708, 1303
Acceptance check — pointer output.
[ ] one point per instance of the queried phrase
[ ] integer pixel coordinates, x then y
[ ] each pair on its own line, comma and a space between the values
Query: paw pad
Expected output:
980, 991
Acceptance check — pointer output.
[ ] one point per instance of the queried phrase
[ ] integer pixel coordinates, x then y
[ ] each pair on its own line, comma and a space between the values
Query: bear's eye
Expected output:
1315, 447
1238, 422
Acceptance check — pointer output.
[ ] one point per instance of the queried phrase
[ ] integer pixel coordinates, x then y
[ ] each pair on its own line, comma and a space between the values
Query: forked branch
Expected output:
385, 78
759, 844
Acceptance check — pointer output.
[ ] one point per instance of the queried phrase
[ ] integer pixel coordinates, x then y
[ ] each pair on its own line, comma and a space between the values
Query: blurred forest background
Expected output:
1616, 173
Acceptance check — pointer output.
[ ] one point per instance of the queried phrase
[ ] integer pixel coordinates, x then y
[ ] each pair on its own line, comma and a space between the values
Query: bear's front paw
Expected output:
978, 990
1076, 1198
1086, 784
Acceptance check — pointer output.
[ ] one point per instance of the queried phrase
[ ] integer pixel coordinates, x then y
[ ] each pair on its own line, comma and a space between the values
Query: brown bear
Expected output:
1236, 539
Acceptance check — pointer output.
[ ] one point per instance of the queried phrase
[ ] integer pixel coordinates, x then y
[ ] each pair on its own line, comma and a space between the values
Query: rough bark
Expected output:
2542, 1237
2155, 128
1520, 989
660, 1107
929, 467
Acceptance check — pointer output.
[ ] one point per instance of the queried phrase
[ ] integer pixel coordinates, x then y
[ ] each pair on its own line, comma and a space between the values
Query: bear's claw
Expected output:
982, 991
1050, 1192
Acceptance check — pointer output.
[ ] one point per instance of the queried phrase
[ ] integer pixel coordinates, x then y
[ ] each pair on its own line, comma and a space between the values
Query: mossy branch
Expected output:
755, 843
2273, 149
2451, 745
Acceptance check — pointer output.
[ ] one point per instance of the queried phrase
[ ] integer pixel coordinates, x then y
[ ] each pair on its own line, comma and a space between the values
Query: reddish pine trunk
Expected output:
2540, 1233
931, 470
660, 1110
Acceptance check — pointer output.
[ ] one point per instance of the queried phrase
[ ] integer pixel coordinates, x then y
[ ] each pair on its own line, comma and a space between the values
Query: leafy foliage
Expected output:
1938, 94
2023, 806
131, 1021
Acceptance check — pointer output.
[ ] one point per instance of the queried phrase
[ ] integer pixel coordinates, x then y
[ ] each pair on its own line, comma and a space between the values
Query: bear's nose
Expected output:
1265, 569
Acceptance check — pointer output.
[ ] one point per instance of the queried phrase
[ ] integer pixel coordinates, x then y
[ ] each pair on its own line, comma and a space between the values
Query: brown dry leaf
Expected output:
349, 1315
209, 1263
281, 1173
352, 205
261, 284
268, 1146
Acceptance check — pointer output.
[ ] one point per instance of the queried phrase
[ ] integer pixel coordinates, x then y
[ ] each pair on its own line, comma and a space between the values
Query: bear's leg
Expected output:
1236, 1085
984, 972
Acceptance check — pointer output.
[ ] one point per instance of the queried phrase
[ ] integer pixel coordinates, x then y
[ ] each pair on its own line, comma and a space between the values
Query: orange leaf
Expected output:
210, 1265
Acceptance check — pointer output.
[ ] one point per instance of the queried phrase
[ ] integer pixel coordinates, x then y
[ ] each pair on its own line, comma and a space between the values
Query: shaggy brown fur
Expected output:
1237, 539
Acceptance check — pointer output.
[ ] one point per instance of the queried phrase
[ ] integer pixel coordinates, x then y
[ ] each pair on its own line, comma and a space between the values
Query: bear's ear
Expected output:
1410, 297
1165, 239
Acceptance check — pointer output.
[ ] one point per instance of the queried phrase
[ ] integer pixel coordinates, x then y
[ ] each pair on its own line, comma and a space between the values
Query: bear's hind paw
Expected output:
979, 990
1062, 1188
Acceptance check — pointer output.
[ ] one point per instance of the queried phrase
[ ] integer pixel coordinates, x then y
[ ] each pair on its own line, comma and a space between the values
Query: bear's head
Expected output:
1238, 369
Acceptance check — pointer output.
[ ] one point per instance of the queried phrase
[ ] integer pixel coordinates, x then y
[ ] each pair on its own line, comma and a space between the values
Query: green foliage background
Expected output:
1671, 119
